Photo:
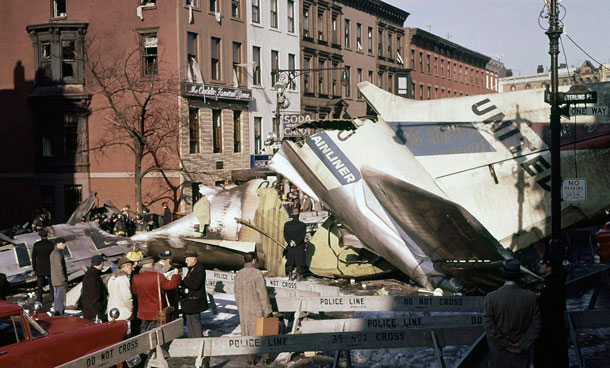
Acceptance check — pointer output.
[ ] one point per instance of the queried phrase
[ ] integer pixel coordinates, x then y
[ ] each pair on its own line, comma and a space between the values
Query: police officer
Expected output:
294, 233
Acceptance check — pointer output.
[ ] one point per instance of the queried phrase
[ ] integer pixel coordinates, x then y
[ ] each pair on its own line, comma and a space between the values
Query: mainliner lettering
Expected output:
332, 157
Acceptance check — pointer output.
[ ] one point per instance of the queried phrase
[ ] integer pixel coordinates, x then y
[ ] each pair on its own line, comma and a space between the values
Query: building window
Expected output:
436, 92
333, 83
193, 72
321, 26
47, 198
58, 8
290, 16
68, 60
390, 83
413, 90
449, 69
236, 131
346, 40
380, 79
275, 66
292, 66
193, 130
256, 67
47, 147
429, 92
237, 69
436, 65
273, 11
306, 22
370, 41
428, 63
412, 59
380, 43
70, 134
335, 36
72, 199
358, 36
258, 140
149, 54
371, 76
442, 68
216, 131
528, 86
348, 79
256, 11
359, 76
389, 45
421, 62
214, 6
215, 57
307, 86
321, 86
235, 8
421, 91
399, 49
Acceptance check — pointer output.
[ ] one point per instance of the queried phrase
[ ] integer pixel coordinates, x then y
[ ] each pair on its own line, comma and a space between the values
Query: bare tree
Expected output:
139, 103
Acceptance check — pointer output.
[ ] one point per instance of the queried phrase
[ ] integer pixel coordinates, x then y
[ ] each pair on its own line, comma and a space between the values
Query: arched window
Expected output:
527, 86
513, 88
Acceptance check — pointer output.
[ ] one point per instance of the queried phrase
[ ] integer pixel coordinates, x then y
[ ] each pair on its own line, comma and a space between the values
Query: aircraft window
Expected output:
11, 330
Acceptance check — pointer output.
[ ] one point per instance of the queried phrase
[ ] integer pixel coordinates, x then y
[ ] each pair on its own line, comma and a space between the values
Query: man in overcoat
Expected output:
93, 295
294, 233
41, 253
551, 347
194, 300
511, 320
252, 300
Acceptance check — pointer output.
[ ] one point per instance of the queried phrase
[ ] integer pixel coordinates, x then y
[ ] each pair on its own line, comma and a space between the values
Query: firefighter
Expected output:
120, 228
141, 226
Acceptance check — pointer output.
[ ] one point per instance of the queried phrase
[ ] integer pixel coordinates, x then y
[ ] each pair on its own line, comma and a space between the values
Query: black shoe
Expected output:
251, 363
267, 362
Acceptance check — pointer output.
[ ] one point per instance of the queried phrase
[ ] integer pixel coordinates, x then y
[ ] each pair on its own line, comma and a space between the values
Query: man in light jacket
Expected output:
119, 290
252, 300
59, 276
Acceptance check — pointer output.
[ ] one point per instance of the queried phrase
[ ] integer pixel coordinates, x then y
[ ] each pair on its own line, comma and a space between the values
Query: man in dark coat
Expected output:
194, 300
511, 320
167, 214
41, 253
551, 347
5, 286
93, 295
294, 233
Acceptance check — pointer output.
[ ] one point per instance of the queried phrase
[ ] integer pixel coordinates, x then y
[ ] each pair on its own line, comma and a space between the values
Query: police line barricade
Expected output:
393, 323
576, 320
352, 303
121, 351
273, 283
339, 341
228, 287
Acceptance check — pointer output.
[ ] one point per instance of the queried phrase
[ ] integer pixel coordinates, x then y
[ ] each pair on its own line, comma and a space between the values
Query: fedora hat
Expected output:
511, 267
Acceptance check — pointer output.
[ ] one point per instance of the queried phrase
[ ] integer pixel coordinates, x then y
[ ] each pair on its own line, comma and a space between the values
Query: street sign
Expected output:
578, 97
574, 190
593, 110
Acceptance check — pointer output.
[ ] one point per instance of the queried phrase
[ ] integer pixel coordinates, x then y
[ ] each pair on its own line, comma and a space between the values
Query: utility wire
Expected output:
586, 53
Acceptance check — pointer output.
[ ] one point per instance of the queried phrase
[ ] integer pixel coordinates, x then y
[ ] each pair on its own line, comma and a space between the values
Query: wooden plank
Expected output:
395, 323
241, 345
126, 349
381, 303
597, 318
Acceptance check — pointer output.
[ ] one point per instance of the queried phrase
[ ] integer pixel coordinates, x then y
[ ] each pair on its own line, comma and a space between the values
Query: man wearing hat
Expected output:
194, 300
551, 347
41, 253
119, 290
294, 233
165, 266
59, 276
511, 320
93, 295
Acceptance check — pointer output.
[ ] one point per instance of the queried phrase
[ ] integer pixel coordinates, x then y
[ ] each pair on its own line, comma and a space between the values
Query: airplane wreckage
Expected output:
440, 190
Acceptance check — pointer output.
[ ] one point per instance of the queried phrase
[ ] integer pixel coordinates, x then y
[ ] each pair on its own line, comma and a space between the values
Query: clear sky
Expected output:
508, 29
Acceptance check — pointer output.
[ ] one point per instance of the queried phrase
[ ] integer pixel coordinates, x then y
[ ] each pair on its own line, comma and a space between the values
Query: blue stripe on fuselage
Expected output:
426, 139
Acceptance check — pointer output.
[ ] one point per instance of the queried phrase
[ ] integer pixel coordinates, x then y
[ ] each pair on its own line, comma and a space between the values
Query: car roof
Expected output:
8, 307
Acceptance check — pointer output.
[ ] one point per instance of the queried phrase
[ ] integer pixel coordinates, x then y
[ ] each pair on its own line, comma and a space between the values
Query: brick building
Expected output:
53, 115
586, 73
440, 68
364, 37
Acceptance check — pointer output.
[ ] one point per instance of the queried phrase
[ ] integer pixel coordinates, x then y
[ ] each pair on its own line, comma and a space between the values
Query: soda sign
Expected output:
574, 190
290, 121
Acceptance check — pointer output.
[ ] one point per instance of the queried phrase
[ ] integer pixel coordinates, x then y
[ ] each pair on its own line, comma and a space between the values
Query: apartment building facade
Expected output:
55, 114
273, 44
360, 40
440, 68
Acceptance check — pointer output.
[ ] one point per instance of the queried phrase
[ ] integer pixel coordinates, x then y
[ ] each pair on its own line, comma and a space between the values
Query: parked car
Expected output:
43, 341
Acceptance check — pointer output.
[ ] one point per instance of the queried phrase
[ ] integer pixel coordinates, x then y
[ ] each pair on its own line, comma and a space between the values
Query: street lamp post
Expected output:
285, 77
